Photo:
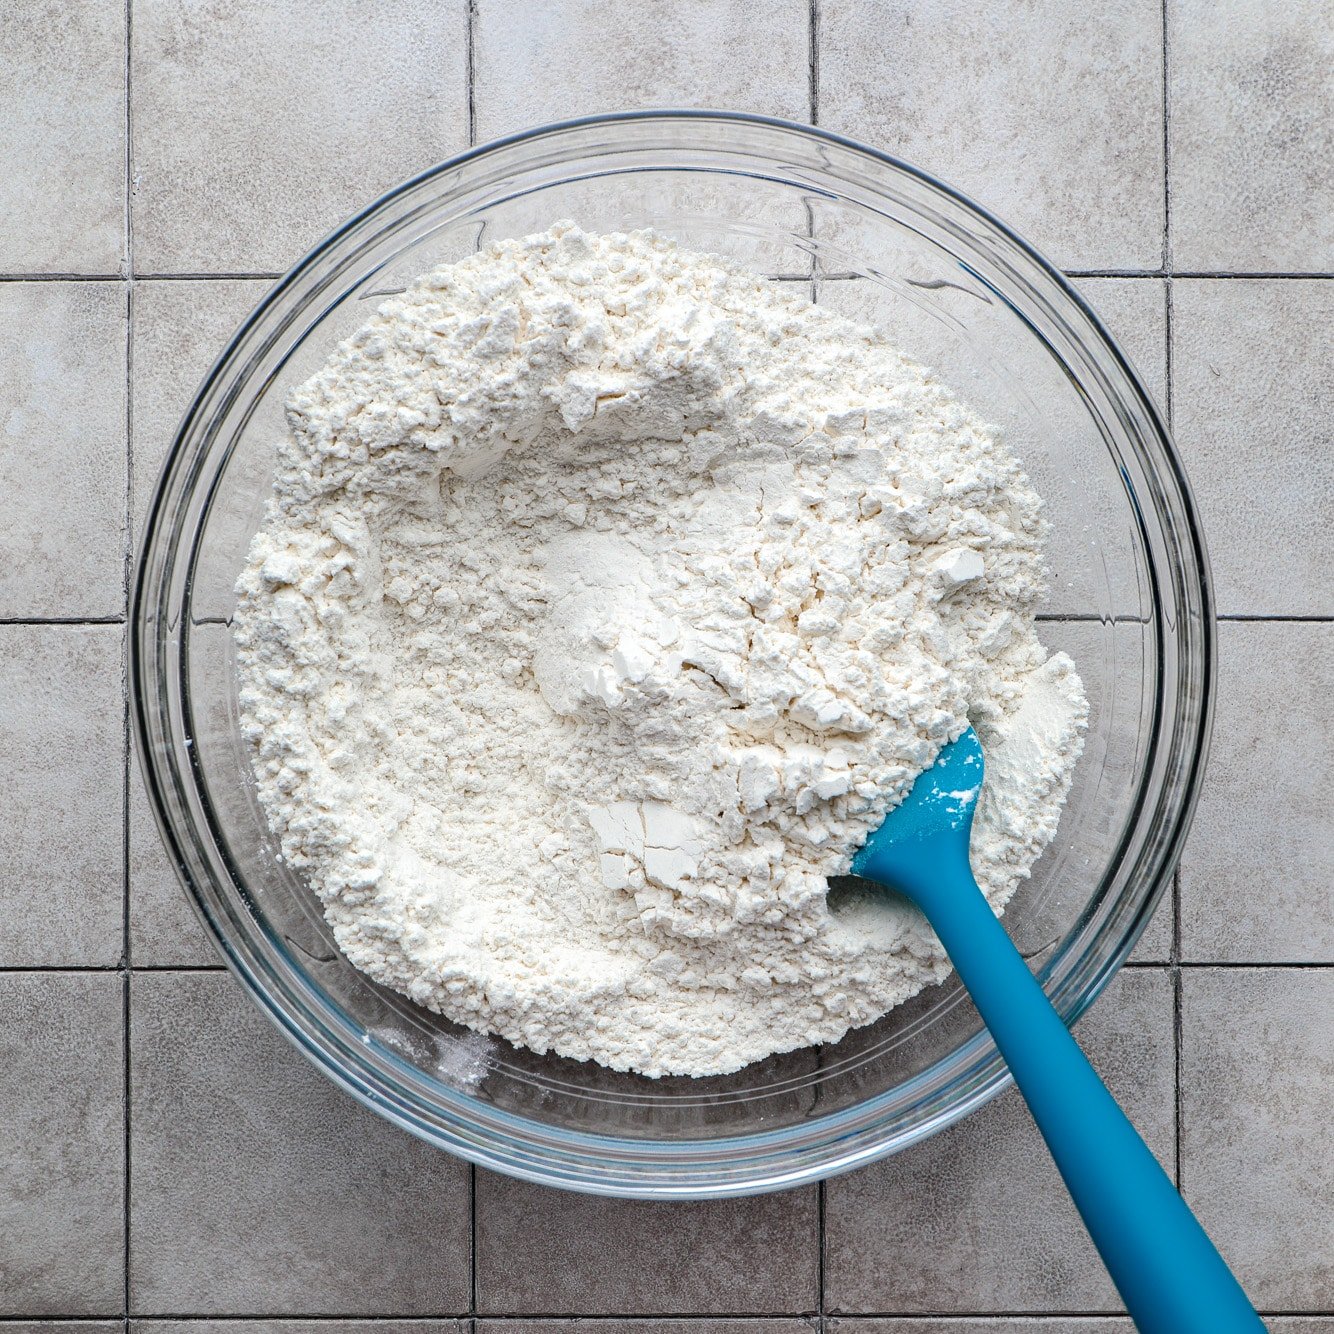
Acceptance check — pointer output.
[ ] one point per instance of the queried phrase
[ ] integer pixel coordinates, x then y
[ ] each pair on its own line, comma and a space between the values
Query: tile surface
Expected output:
581, 1253
179, 330
1135, 313
976, 1219
999, 1324
62, 753
259, 1186
62, 103
698, 53
652, 1325
254, 135
163, 926
1258, 869
1251, 135
62, 448
61, 1152
64, 1327
1254, 419
295, 1325
1257, 1064
1048, 114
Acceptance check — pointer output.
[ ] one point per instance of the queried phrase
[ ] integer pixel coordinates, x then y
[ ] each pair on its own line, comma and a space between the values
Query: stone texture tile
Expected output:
163, 927
539, 60
61, 1151
1257, 1065
281, 1325
179, 330
63, 1326
1257, 871
1254, 416
62, 448
254, 135
1135, 313
260, 1186
61, 804
994, 1324
651, 1325
62, 103
1047, 113
977, 1219
624, 1257
1251, 126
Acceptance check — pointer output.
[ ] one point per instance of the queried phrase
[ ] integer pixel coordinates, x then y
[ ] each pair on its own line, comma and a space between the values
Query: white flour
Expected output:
608, 597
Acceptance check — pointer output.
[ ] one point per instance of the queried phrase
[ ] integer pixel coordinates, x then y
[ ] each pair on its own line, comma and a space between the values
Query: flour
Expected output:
608, 597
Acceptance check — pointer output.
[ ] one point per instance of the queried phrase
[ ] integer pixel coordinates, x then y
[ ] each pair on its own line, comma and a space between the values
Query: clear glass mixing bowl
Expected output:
1130, 601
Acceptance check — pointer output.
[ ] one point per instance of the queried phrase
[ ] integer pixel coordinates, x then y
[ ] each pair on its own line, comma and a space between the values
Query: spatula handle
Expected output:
1170, 1276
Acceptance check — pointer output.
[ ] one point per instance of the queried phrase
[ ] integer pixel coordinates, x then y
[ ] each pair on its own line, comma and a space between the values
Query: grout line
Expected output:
470, 46
1167, 158
1177, 1174
125, 674
822, 1206
472, 1240
62, 620
62, 277
813, 61
1313, 618
267, 275
1253, 275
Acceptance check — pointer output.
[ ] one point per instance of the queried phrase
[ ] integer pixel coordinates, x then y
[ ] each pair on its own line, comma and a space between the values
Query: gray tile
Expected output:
179, 330
1257, 1065
255, 135
62, 103
977, 1219
288, 1325
61, 750
163, 927
996, 1324
650, 1325
1259, 864
1050, 114
1155, 945
61, 1326
1253, 383
62, 1150
698, 54
62, 384
625, 1257
260, 1186
1135, 313
1251, 120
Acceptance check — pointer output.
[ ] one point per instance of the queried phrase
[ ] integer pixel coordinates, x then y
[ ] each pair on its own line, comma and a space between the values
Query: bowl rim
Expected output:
547, 1154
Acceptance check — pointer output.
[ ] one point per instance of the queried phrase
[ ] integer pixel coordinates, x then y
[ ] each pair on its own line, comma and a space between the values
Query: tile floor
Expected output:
166, 1162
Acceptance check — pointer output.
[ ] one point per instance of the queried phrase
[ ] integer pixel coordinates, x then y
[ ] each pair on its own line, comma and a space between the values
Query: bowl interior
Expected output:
933, 276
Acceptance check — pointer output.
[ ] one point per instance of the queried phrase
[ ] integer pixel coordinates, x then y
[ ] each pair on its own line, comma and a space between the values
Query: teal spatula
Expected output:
1170, 1276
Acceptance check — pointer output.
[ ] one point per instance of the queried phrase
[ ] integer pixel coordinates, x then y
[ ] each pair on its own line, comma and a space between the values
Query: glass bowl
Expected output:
1130, 600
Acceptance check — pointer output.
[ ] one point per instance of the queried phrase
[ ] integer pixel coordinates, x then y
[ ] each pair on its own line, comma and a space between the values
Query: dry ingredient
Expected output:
608, 596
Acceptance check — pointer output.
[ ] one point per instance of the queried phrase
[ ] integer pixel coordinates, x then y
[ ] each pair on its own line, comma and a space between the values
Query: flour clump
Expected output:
607, 598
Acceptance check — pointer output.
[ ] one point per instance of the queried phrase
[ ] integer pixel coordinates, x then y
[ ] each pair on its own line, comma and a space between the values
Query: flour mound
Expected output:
608, 596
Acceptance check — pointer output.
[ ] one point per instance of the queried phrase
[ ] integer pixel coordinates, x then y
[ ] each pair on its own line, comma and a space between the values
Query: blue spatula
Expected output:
1170, 1276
